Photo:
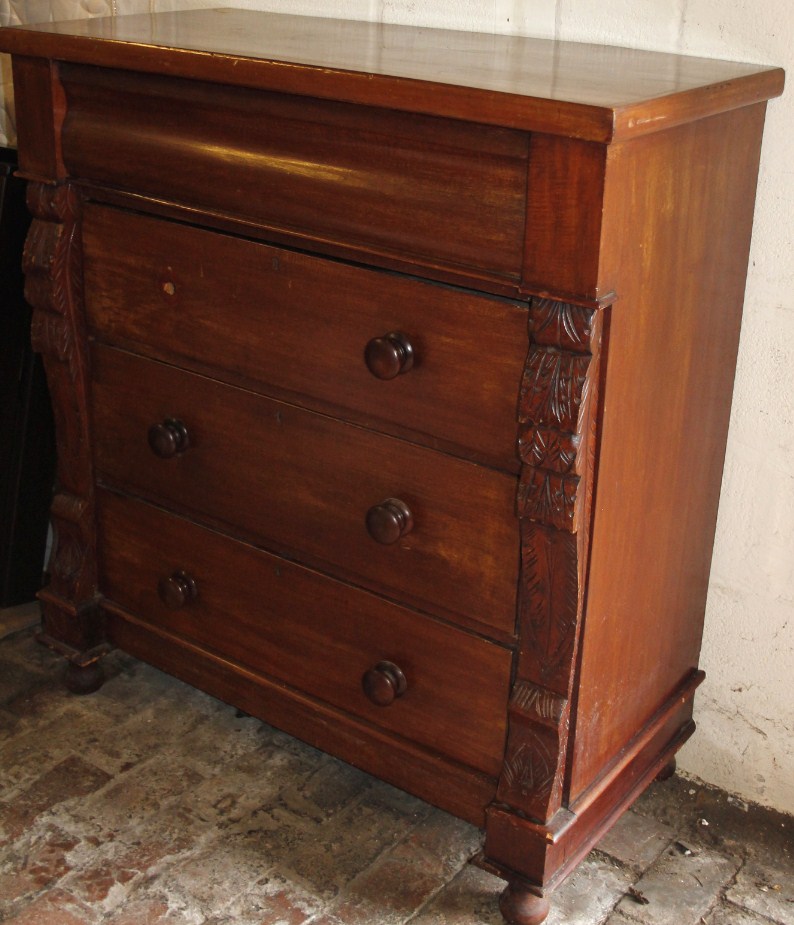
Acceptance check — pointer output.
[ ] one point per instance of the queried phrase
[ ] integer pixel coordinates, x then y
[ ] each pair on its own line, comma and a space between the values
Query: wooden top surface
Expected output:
601, 93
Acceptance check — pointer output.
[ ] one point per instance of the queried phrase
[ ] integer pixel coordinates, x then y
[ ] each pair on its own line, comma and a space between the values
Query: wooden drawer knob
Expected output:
384, 683
389, 520
388, 356
178, 590
168, 439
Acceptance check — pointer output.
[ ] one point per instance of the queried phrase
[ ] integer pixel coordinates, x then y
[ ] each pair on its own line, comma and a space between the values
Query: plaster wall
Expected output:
745, 712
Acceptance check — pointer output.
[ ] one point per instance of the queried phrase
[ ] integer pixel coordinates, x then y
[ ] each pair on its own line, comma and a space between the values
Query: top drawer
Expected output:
299, 326
398, 187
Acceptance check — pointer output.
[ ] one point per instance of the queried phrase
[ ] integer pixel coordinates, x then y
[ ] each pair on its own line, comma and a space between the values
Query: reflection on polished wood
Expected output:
597, 92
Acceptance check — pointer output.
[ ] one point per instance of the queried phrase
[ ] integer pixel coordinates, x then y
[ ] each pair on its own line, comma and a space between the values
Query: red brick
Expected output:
34, 701
138, 795
348, 842
272, 903
44, 743
403, 879
43, 863
471, 897
636, 841
70, 778
283, 911
144, 912
55, 908
118, 865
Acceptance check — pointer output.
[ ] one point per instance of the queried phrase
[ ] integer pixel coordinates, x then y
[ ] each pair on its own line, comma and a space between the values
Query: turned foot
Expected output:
667, 771
519, 906
83, 679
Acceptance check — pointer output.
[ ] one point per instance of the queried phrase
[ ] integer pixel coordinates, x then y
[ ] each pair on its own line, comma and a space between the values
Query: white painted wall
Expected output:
745, 712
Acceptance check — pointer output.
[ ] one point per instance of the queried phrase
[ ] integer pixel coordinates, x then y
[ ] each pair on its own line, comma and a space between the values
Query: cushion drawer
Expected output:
386, 184
302, 483
183, 292
308, 631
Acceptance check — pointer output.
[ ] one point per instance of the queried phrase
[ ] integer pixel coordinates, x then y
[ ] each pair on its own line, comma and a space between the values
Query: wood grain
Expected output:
673, 337
303, 483
39, 127
378, 180
142, 289
592, 92
245, 608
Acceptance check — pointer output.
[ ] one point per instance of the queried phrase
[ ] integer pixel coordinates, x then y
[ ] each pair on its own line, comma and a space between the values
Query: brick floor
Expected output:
149, 803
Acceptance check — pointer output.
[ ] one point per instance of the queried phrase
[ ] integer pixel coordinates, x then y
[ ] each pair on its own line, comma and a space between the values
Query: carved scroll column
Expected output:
53, 287
557, 421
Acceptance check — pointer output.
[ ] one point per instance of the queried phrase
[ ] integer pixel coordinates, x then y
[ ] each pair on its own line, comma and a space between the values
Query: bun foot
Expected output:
83, 679
519, 906
667, 771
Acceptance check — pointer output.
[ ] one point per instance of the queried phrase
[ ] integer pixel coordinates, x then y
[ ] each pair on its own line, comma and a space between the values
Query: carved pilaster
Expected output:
556, 429
53, 287
538, 722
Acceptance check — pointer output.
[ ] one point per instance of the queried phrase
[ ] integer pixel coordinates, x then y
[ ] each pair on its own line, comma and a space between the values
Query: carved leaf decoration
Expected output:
553, 388
545, 448
531, 769
70, 507
53, 286
561, 325
51, 257
548, 498
556, 416
69, 556
72, 562
532, 775
51, 334
539, 703
549, 603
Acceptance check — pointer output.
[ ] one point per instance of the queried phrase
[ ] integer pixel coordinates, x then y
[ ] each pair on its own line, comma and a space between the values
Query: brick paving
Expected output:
149, 803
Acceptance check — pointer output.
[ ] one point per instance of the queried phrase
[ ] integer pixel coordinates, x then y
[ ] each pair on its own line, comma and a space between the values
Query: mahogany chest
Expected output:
391, 371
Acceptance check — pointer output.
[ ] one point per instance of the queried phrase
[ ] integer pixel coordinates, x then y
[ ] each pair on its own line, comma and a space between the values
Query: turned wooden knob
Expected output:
178, 590
384, 683
389, 520
169, 438
388, 356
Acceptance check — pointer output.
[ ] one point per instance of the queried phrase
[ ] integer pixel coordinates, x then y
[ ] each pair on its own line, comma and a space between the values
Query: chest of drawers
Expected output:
391, 371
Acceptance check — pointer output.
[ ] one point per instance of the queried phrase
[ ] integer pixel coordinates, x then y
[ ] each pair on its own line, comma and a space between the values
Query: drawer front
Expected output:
308, 631
302, 324
434, 191
303, 483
